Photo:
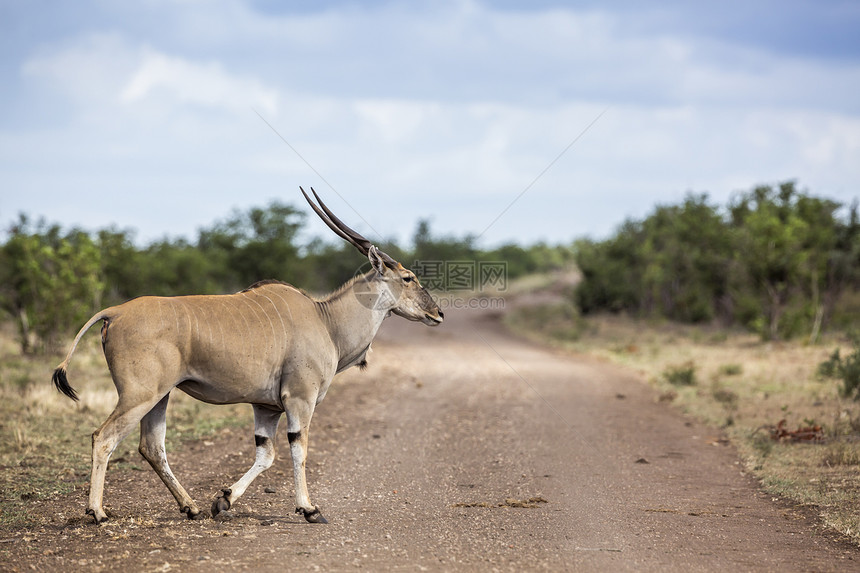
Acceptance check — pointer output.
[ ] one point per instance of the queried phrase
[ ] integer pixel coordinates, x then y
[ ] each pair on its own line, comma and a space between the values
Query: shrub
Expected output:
681, 375
726, 397
731, 369
846, 369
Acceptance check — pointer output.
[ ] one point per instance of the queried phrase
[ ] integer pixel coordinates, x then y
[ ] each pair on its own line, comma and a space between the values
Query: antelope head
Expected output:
390, 286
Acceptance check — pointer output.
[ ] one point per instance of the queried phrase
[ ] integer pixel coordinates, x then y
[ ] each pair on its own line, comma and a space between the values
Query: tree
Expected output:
257, 244
176, 267
777, 261
428, 247
818, 277
789, 250
327, 265
122, 268
51, 282
684, 252
843, 266
611, 272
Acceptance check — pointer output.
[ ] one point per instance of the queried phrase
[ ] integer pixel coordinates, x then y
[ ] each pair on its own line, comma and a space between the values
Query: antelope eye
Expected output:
407, 279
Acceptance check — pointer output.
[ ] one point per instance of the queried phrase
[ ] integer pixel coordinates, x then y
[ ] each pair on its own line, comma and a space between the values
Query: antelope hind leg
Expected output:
105, 439
152, 431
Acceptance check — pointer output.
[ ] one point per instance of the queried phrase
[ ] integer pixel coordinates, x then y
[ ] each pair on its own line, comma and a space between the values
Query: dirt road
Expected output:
460, 448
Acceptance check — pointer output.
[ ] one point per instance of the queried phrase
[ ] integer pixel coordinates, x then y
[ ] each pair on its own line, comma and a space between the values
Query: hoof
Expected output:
194, 515
313, 516
224, 516
99, 519
221, 502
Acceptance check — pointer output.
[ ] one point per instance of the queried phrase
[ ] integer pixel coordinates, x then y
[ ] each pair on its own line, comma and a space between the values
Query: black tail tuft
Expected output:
62, 383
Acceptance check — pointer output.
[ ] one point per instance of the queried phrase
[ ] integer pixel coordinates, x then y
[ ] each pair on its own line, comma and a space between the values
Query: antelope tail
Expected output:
59, 378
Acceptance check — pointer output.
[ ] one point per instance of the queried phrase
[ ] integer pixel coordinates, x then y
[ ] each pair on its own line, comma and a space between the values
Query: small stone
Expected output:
270, 490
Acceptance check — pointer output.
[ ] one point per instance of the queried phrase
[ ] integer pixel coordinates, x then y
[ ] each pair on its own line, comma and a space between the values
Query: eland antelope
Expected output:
270, 345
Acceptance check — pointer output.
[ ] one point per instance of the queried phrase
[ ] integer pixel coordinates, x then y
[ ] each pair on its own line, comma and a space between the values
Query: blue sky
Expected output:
155, 115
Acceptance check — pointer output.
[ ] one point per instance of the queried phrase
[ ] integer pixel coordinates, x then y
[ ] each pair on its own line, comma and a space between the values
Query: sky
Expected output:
510, 121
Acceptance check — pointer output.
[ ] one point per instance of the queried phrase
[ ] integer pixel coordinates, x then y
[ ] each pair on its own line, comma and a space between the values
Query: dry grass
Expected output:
734, 381
45, 437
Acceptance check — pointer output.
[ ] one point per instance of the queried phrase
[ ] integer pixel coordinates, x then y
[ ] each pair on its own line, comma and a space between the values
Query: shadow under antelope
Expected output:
270, 345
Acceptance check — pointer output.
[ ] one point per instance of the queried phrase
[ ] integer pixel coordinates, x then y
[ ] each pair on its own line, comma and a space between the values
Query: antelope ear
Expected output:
375, 259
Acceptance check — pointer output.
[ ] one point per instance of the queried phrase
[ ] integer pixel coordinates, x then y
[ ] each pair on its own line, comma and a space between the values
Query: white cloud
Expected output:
395, 121
204, 84
108, 69
90, 69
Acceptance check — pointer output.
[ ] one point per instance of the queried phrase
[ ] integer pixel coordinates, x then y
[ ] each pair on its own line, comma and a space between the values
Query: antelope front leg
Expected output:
299, 414
265, 428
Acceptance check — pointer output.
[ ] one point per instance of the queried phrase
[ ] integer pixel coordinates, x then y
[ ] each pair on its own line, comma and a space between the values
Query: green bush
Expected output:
731, 369
681, 374
50, 282
775, 260
846, 369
